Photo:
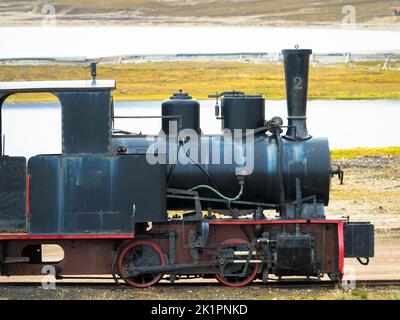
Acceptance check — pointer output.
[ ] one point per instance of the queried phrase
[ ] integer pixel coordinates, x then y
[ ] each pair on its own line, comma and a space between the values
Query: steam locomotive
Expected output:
243, 205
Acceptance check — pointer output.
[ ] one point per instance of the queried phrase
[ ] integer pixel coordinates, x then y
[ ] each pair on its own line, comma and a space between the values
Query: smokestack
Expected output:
296, 62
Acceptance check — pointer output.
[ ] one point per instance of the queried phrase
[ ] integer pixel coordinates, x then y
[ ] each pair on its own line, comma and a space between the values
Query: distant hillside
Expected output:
376, 13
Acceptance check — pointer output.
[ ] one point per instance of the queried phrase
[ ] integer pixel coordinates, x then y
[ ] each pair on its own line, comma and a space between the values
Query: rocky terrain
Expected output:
371, 191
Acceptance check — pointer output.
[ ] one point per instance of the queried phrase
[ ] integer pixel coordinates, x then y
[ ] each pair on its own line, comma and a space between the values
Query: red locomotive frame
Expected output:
104, 249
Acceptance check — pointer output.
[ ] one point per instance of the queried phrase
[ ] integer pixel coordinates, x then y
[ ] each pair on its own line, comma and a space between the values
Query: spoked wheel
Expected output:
232, 274
137, 255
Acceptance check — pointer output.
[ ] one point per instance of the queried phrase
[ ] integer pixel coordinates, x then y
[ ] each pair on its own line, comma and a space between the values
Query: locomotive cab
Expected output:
87, 188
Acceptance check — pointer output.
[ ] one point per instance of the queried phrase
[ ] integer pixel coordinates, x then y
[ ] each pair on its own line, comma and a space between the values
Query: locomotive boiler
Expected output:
243, 205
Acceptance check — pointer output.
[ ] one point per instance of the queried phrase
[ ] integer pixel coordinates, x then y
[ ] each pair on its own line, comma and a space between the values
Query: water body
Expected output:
39, 42
34, 128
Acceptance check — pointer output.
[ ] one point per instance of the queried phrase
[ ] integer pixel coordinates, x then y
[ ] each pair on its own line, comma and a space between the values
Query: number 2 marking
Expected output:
298, 83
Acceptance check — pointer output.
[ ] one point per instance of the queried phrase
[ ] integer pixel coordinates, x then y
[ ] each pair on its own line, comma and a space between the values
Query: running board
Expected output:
8, 260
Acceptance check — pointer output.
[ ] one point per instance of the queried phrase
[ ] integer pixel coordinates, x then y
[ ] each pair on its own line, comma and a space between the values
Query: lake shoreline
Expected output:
347, 124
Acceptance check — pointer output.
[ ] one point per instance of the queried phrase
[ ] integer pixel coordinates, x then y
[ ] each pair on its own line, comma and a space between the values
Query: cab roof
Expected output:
64, 85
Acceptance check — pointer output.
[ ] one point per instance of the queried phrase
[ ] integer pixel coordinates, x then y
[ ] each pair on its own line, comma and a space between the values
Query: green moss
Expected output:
359, 293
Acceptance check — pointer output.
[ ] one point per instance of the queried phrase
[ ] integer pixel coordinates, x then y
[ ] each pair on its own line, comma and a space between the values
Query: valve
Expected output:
339, 172
274, 124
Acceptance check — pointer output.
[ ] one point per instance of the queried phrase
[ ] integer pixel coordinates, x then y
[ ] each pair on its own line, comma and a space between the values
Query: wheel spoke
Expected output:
140, 254
134, 252
235, 270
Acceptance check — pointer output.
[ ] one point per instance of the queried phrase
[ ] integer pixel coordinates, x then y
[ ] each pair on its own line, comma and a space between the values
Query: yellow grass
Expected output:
357, 152
158, 80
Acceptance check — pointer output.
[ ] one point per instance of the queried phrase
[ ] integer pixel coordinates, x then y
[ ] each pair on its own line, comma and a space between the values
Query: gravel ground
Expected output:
371, 192
204, 291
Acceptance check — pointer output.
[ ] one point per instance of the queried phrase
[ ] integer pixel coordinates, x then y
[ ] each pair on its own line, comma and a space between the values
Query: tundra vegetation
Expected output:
157, 80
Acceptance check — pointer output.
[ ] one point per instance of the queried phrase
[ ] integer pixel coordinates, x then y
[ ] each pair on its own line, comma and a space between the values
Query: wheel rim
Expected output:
235, 281
140, 254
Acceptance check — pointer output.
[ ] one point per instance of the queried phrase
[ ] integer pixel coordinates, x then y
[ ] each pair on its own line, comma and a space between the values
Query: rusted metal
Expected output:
95, 256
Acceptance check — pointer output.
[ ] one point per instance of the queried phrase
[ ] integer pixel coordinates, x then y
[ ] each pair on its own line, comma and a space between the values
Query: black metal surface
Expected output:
296, 62
46, 188
3, 97
233, 203
95, 194
310, 162
86, 111
186, 110
358, 240
307, 160
294, 255
231, 271
93, 70
240, 111
137, 258
86, 121
279, 174
12, 194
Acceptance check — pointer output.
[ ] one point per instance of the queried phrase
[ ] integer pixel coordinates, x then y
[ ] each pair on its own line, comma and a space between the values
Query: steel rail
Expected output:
284, 284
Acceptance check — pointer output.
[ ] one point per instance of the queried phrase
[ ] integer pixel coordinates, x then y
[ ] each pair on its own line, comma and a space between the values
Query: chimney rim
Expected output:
296, 51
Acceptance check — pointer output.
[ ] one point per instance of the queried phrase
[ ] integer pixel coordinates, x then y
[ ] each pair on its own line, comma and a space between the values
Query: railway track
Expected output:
284, 284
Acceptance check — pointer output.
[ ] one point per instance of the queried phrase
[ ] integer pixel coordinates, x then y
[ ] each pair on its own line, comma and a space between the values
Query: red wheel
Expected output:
234, 270
137, 255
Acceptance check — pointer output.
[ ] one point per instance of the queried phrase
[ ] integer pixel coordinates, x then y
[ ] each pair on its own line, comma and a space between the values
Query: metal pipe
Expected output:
147, 117
296, 64
204, 186
243, 253
1, 132
281, 187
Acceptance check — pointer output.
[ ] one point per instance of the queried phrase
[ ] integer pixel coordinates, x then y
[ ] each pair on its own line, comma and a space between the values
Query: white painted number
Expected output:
298, 83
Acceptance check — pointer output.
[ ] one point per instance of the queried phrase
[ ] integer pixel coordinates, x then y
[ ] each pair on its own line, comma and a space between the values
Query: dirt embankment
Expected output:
367, 13
371, 191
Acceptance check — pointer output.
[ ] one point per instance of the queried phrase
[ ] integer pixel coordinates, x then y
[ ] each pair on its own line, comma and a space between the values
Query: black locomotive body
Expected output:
108, 200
